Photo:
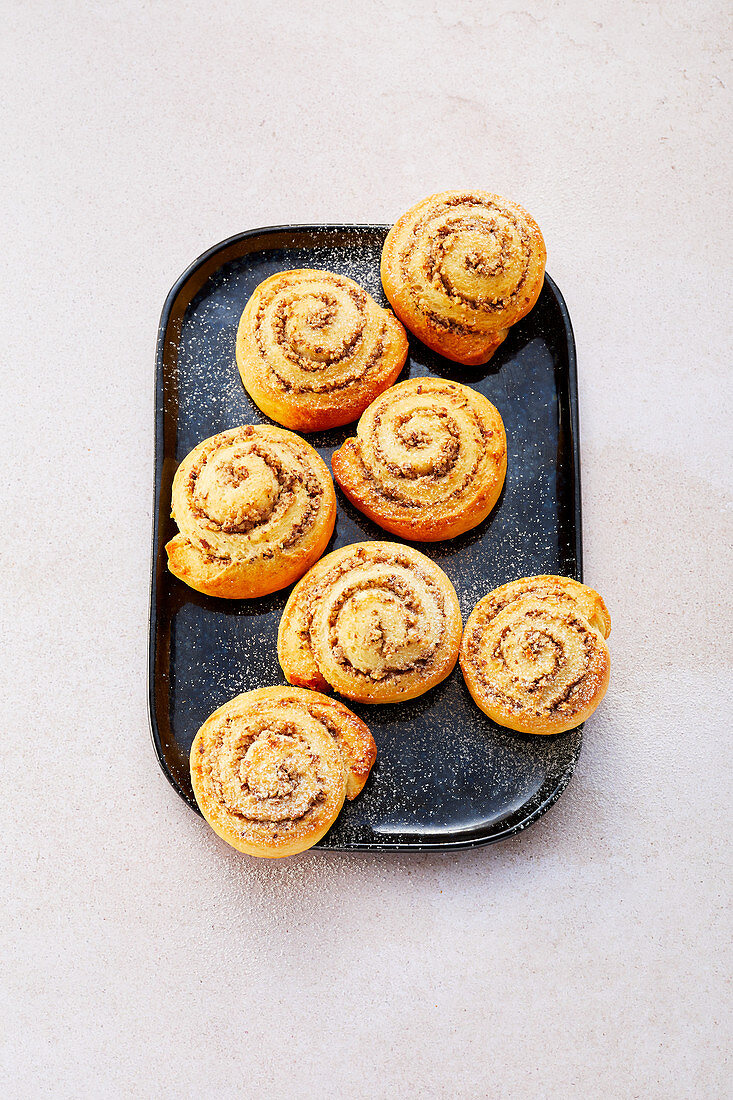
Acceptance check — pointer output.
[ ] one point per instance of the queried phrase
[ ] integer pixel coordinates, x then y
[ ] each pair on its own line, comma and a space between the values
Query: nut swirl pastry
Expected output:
428, 461
377, 622
314, 349
460, 268
255, 507
534, 654
270, 768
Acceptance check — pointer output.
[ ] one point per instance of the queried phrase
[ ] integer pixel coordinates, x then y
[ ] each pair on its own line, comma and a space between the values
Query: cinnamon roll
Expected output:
376, 621
460, 268
534, 654
255, 507
270, 769
314, 349
428, 461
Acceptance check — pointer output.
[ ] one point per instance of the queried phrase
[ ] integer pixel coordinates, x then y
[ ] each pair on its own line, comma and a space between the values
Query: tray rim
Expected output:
423, 846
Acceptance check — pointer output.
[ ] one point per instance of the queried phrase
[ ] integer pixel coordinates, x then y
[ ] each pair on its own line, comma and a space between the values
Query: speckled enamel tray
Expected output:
446, 777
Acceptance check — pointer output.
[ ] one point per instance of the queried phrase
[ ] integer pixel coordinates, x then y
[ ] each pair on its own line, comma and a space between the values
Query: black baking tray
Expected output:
446, 776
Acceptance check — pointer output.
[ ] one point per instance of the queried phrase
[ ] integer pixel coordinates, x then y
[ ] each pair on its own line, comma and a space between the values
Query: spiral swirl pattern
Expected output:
428, 461
534, 654
270, 769
564, 592
255, 507
460, 268
313, 349
375, 621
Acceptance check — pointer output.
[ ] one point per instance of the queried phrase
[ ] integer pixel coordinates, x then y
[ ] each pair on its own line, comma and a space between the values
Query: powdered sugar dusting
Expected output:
444, 773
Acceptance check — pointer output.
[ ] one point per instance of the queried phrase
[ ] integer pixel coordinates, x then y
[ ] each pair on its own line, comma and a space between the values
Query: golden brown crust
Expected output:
460, 268
294, 649
534, 655
376, 621
314, 349
270, 769
428, 462
255, 507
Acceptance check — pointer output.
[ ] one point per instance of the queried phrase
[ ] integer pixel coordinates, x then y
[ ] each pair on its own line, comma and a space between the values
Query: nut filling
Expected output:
466, 253
247, 496
460, 268
428, 460
271, 768
376, 622
534, 654
320, 335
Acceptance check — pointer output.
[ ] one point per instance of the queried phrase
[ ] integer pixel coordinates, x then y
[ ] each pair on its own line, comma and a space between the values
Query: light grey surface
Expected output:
587, 957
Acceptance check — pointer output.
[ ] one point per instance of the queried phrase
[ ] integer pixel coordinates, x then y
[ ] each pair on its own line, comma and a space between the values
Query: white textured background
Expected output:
587, 957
